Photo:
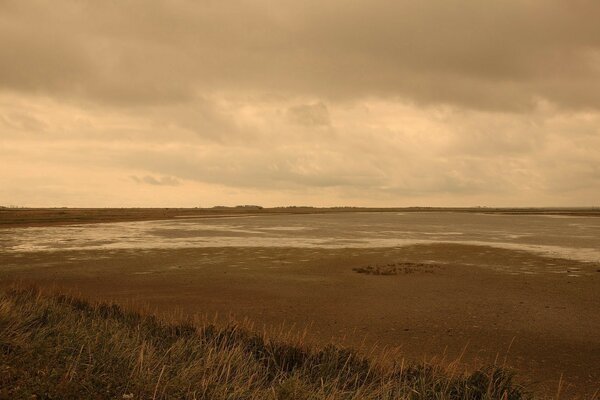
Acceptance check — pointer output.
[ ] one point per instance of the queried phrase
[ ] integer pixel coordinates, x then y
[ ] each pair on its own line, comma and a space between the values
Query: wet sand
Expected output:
479, 297
23, 217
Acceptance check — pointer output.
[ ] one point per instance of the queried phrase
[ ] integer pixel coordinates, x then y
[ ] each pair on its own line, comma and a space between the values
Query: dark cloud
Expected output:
498, 55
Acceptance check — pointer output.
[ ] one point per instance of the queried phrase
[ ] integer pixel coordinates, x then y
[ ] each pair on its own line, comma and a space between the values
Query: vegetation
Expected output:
396, 268
60, 347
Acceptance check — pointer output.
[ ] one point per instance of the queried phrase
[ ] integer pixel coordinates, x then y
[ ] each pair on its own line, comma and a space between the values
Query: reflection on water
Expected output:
576, 238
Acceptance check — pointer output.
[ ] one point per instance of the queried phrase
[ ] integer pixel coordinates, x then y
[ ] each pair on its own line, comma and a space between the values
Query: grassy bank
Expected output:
60, 347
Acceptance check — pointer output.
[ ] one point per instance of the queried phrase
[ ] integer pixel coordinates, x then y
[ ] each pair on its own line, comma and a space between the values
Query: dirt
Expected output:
544, 325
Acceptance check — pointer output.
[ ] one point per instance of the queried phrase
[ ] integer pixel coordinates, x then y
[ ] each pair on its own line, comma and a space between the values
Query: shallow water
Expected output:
576, 238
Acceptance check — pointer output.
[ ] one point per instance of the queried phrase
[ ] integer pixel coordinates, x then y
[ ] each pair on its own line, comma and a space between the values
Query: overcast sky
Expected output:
324, 103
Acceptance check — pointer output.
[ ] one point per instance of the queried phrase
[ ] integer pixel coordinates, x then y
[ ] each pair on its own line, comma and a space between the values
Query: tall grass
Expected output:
61, 347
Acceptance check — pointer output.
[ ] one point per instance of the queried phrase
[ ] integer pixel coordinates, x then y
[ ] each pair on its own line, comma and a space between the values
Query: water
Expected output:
576, 238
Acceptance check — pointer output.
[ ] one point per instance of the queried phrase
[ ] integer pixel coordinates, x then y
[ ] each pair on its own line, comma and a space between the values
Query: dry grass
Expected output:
60, 347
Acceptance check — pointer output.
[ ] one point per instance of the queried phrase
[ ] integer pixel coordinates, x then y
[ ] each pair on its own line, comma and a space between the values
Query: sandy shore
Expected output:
544, 325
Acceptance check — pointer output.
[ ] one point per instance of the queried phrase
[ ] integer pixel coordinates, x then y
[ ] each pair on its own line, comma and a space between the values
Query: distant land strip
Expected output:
23, 217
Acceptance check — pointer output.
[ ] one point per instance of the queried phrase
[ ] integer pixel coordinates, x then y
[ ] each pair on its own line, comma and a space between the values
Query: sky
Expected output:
178, 103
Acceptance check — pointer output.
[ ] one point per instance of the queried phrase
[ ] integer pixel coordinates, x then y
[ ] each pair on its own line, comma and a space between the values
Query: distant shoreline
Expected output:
30, 217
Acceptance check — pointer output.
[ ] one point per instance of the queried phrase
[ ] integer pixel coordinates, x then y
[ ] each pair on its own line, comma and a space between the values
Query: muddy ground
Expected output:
23, 217
539, 314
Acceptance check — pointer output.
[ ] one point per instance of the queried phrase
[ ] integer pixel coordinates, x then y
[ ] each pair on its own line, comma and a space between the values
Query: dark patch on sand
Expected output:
398, 268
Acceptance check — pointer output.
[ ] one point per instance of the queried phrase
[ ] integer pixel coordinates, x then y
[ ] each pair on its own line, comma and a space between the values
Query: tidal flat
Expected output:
522, 289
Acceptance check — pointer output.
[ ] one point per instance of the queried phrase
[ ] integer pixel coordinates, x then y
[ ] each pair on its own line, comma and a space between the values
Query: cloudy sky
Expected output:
313, 102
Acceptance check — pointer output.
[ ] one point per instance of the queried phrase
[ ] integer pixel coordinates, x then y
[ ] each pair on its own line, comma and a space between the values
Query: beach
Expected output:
518, 290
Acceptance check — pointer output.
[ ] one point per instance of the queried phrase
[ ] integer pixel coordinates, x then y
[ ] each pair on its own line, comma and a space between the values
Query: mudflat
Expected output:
23, 217
536, 312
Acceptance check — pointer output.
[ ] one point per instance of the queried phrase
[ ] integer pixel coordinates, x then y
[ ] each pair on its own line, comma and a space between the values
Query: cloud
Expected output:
326, 103
501, 56
377, 152
310, 115
160, 181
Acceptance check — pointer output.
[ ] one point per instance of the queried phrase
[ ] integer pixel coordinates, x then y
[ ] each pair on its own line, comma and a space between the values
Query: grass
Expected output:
61, 347
396, 268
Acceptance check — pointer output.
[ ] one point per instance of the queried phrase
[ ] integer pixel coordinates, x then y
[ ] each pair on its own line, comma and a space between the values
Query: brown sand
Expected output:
469, 300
